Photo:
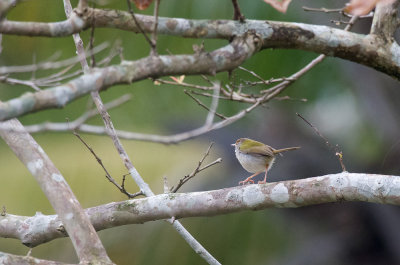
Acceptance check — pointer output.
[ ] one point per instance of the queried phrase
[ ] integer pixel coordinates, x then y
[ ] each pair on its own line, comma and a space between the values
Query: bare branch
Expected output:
10, 259
237, 14
5, 6
137, 24
204, 106
48, 65
108, 176
83, 236
98, 79
198, 169
335, 148
183, 84
323, 9
339, 187
76, 124
361, 49
214, 105
154, 35
384, 22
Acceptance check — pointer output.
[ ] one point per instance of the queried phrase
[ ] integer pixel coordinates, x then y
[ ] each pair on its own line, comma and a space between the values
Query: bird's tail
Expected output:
277, 151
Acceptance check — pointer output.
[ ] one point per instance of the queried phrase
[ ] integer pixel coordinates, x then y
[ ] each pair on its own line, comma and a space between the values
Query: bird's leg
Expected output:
265, 177
249, 179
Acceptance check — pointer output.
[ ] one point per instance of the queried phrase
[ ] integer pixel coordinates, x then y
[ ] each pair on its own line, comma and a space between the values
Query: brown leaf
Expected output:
363, 7
280, 5
142, 4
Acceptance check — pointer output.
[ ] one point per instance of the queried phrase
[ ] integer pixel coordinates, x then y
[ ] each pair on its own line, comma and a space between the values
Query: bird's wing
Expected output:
263, 150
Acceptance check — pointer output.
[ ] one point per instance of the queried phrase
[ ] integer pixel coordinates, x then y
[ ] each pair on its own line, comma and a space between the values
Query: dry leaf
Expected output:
142, 4
363, 7
178, 80
280, 5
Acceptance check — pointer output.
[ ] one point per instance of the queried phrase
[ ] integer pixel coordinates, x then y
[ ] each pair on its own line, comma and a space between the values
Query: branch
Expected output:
368, 50
354, 47
170, 139
198, 169
223, 59
384, 23
383, 189
64, 28
108, 175
49, 65
10, 259
83, 236
144, 188
5, 6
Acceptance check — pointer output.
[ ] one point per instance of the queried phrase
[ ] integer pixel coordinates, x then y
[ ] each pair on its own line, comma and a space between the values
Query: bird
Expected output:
256, 157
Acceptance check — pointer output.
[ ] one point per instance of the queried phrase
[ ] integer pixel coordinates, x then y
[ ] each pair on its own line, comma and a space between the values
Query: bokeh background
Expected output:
353, 106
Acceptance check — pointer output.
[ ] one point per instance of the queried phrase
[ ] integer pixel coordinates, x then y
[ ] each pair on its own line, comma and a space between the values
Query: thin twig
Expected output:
206, 88
47, 65
338, 153
130, 10
91, 41
266, 82
108, 175
214, 105
198, 169
237, 14
335, 10
166, 188
254, 74
323, 9
203, 105
77, 123
290, 98
144, 187
154, 35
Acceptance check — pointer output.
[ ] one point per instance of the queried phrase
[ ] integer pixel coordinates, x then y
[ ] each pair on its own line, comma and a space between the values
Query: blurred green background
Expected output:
353, 106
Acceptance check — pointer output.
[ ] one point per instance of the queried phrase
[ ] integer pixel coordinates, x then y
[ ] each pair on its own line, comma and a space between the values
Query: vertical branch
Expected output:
237, 14
154, 35
110, 130
82, 4
214, 105
90, 232
384, 23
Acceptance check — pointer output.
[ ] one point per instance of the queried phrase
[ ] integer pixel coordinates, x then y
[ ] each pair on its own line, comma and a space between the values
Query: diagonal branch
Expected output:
223, 59
384, 23
83, 236
144, 187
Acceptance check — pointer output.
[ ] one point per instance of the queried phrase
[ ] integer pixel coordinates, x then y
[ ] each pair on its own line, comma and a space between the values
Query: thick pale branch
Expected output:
144, 188
340, 187
223, 59
83, 236
384, 23
5, 6
10, 259
53, 29
370, 50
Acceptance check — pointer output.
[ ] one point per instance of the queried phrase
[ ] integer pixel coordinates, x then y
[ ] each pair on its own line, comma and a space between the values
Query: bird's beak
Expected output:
233, 144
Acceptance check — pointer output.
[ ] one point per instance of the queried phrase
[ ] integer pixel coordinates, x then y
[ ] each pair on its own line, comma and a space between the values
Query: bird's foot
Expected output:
246, 181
